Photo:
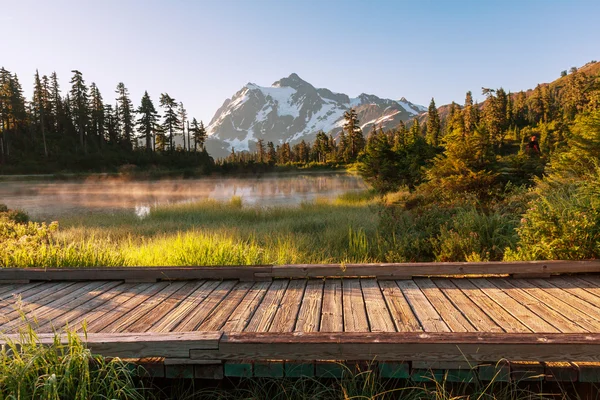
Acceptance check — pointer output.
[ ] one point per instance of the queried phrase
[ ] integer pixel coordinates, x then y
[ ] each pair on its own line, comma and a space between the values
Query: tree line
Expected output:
80, 126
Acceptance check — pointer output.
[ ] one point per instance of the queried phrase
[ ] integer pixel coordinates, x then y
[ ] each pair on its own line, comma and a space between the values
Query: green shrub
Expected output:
563, 221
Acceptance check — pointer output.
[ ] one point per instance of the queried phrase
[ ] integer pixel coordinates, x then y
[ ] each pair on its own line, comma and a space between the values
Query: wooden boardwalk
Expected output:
446, 321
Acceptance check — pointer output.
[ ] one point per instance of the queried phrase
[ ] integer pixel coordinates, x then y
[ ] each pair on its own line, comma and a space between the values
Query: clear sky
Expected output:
201, 51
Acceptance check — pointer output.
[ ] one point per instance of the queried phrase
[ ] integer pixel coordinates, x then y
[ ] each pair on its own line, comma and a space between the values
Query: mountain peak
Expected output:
293, 81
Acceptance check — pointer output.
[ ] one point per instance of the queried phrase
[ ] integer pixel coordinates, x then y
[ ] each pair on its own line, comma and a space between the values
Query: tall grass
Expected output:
63, 370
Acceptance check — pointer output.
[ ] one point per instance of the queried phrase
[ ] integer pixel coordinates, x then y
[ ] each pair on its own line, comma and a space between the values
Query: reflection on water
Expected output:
53, 199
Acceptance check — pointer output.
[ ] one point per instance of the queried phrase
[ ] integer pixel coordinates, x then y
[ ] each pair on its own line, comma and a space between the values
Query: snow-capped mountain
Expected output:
292, 110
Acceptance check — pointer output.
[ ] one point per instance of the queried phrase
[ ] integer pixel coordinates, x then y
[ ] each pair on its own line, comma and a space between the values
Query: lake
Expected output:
50, 199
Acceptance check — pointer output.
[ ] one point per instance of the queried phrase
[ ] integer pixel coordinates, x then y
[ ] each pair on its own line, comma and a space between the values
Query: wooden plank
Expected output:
355, 315
236, 369
153, 366
561, 372
149, 319
51, 313
428, 317
218, 316
589, 293
517, 310
593, 313
478, 318
240, 317
500, 316
29, 304
268, 369
402, 315
9, 290
394, 370
120, 309
527, 371
494, 371
138, 345
332, 314
198, 315
404, 346
287, 313
404, 270
329, 369
31, 295
209, 371
262, 318
309, 316
561, 323
557, 304
182, 371
169, 322
244, 272
121, 322
452, 316
299, 369
95, 307
377, 310
589, 372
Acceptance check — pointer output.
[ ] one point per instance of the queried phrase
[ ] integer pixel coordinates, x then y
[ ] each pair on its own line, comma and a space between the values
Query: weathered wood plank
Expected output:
377, 310
32, 295
332, 315
218, 316
403, 270
241, 316
28, 305
499, 315
121, 309
165, 307
286, 315
139, 345
452, 316
428, 317
402, 315
148, 274
517, 310
262, 318
52, 312
199, 314
566, 295
479, 319
121, 322
578, 317
309, 316
355, 315
554, 318
561, 372
170, 321
402, 346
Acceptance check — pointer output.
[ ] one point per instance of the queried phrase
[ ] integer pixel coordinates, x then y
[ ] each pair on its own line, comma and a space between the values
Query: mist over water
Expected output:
43, 199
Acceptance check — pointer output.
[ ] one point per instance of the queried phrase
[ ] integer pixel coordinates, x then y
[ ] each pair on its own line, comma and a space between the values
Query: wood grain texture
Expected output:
240, 317
378, 313
355, 314
309, 316
428, 317
332, 314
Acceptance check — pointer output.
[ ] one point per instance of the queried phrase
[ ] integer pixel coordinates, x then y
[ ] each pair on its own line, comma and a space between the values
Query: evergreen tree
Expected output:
354, 135
171, 122
433, 125
97, 115
147, 122
125, 111
198, 134
271, 153
182, 113
79, 107
260, 151
39, 109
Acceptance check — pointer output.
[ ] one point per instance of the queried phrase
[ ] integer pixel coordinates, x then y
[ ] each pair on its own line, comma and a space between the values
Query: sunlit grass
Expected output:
210, 232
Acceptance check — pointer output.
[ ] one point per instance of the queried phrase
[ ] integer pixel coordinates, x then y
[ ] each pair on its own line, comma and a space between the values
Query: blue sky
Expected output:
202, 51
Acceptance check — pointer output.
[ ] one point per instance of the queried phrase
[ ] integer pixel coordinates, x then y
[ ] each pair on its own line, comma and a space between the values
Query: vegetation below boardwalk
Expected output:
70, 371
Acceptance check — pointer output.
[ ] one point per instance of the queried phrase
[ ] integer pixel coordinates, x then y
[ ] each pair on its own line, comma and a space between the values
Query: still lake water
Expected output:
50, 199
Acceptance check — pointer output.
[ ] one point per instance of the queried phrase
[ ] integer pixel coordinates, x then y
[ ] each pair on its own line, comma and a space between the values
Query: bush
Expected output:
563, 221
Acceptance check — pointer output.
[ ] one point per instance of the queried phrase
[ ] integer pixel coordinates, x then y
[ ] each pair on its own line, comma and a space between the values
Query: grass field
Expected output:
210, 233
